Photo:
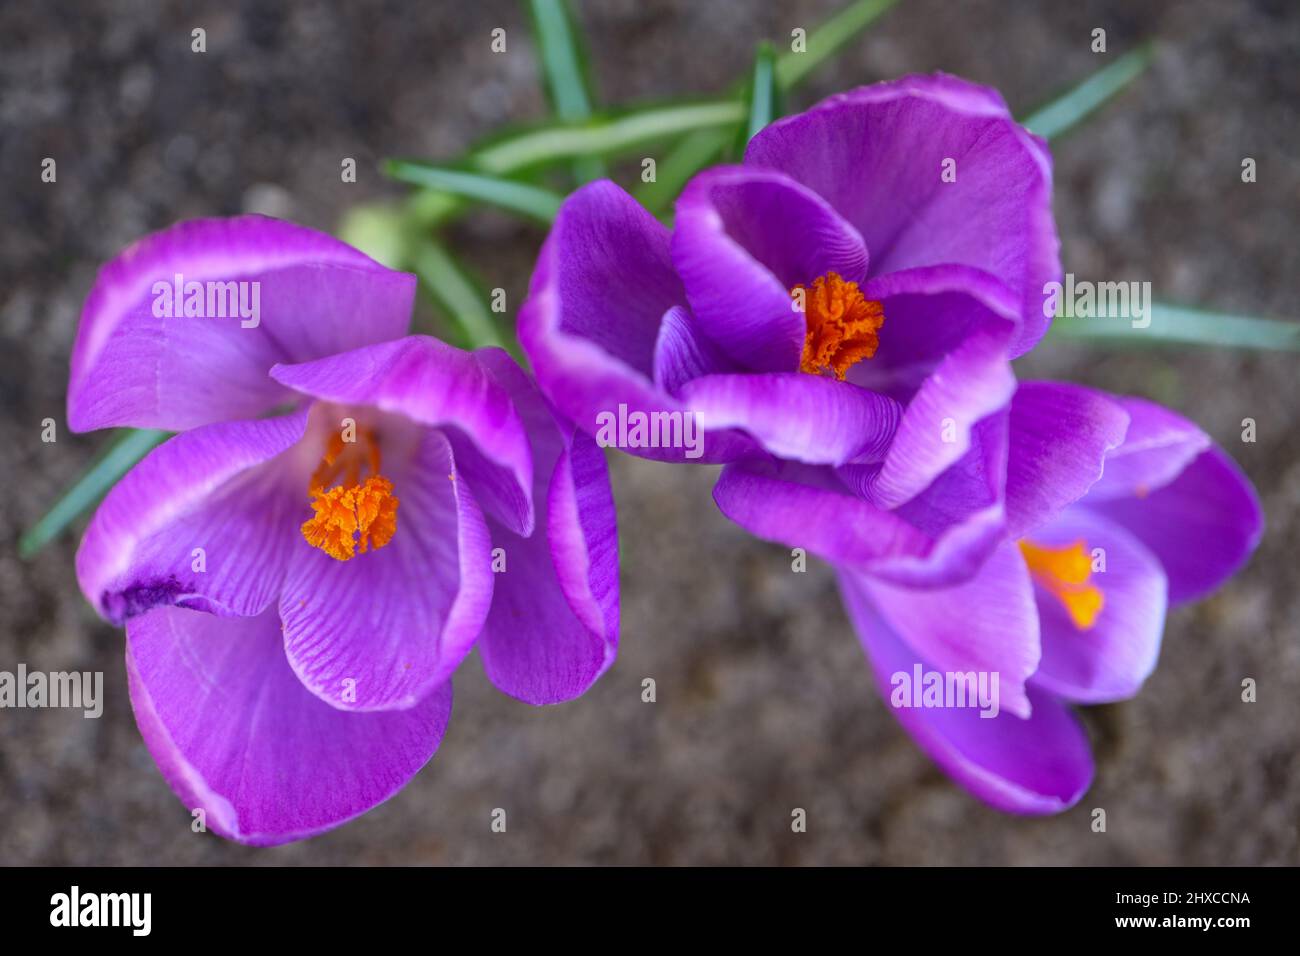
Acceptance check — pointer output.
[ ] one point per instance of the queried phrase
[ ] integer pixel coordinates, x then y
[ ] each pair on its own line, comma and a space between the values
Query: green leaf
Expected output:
533, 201
762, 91
605, 137
378, 230
1068, 110
124, 452
1179, 325
458, 296
827, 39
565, 70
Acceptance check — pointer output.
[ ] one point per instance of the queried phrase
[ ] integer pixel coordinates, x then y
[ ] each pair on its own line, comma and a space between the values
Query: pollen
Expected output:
351, 516
842, 325
1066, 573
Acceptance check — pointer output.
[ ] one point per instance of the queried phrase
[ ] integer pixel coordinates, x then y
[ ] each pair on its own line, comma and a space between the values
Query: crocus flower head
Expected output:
1115, 509
344, 515
876, 258
863, 240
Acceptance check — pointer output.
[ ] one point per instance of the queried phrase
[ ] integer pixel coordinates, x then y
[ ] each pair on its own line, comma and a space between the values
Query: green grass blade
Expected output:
1179, 325
378, 230
762, 91
532, 201
1073, 107
455, 293
603, 137
565, 71
826, 40
124, 452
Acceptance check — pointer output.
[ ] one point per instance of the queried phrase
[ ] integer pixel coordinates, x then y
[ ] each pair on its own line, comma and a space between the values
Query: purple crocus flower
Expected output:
1113, 509
344, 515
876, 260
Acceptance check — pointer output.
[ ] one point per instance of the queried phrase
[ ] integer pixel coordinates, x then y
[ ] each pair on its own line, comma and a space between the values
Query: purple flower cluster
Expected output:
839, 315
346, 511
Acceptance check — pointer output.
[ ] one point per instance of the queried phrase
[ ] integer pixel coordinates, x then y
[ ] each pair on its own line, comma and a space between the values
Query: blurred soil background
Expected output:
764, 698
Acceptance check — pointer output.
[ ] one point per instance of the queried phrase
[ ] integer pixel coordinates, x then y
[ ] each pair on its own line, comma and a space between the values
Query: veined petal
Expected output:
1036, 766
303, 295
553, 627
383, 630
1109, 660
1159, 444
236, 735
591, 326
607, 264
204, 521
808, 418
935, 545
971, 383
1062, 436
989, 623
929, 313
1202, 526
963, 510
879, 155
683, 352
434, 384
744, 238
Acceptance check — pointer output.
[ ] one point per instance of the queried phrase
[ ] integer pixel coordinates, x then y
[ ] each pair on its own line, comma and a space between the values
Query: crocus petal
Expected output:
590, 327
683, 352
1202, 526
607, 263
553, 627
971, 383
807, 418
236, 735
1159, 444
315, 296
1109, 660
203, 521
809, 507
1038, 765
1060, 437
432, 383
929, 313
878, 155
744, 238
963, 510
383, 629
988, 624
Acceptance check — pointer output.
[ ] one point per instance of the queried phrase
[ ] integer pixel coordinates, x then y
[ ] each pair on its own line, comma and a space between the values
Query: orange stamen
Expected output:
842, 325
1065, 572
352, 515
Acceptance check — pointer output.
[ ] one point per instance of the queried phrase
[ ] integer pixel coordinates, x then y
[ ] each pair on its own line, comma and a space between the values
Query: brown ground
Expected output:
764, 699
